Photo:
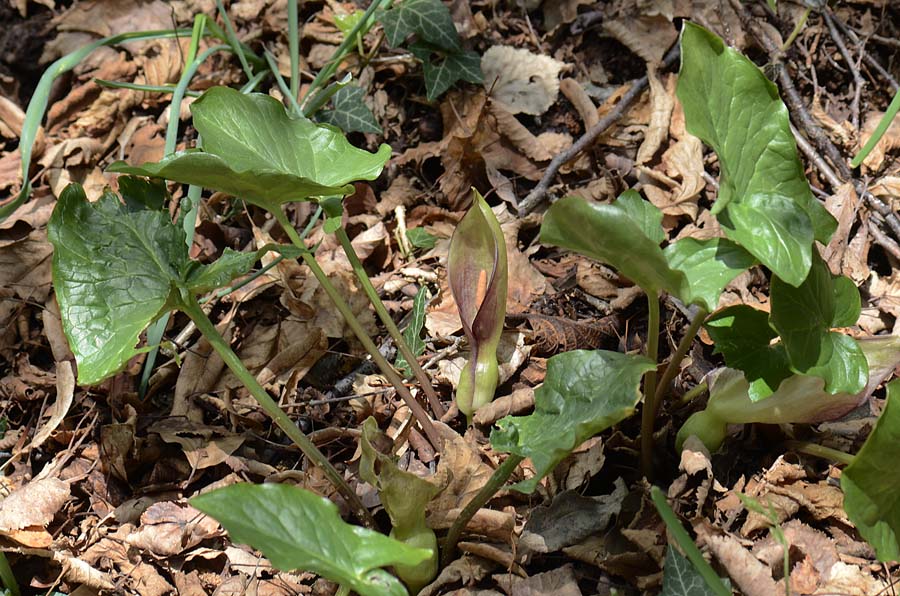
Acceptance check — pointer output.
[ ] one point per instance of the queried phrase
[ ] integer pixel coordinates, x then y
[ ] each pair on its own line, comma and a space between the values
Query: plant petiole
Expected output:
494, 483
816, 450
192, 309
386, 369
675, 361
648, 413
436, 407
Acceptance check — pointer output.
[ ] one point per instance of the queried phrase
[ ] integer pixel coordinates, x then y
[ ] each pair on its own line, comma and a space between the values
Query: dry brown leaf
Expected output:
647, 36
560, 581
463, 472
524, 82
77, 571
65, 391
843, 205
517, 402
203, 446
889, 141
662, 101
751, 576
560, 12
510, 127
26, 511
170, 528
684, 160
576, 94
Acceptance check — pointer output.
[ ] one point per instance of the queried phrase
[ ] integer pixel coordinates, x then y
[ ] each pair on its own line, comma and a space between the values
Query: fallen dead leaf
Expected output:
26, 511
524, 82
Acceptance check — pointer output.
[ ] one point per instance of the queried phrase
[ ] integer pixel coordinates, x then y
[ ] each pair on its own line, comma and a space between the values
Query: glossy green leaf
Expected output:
298, 530
764, 202
114, 273
413, 332
680, 578
743, 336
118, 267
645, 214
253, 149
708, 265
429, 19
349, 111
443, 69
477, 272
803, 316
584, 393
871, 484
799, 399
611, 234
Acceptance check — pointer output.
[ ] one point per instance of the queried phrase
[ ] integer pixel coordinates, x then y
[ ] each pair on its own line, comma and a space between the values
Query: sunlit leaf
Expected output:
429, 19
764, 202
298, 530
255, 150
709, 266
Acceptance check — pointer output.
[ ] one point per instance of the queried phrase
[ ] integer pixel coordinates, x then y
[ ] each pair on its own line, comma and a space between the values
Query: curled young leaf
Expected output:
477, 272
799, 399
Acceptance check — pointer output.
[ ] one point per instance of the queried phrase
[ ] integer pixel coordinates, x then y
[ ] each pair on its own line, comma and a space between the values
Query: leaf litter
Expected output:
98, 479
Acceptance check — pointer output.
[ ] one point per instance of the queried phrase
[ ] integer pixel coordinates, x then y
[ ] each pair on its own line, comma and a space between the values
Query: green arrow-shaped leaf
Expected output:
296, 529
871, 484
743, 336
583, 393
616, 235
253, 149
764, 203
116, 268
708, 265
804, 316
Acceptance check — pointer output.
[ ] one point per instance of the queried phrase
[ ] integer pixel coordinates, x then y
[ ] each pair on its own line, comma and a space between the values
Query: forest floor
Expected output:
128, 463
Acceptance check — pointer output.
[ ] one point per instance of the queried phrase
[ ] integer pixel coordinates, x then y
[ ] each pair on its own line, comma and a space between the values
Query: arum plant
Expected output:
255, 150
121, 263
477, 271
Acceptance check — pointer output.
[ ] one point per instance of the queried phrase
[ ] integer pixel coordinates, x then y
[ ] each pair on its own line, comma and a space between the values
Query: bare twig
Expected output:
537, 195
858, 81
867, 58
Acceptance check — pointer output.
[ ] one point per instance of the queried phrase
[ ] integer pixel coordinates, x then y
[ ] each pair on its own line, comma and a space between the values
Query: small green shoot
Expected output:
413, 332
298, 530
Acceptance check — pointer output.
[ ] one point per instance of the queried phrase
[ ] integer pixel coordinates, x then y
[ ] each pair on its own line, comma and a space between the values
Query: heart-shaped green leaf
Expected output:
253, 149
871, 484
298, 530
623, 234
708, 265
584, 393
803, 316
764, 202
743, 336
429, 19
117, 267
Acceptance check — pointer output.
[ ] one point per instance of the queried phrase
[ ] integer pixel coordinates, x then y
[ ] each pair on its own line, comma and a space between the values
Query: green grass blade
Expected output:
233, 40
677, 531
882, 127
140, 87
6, 575
37, 107
294, 48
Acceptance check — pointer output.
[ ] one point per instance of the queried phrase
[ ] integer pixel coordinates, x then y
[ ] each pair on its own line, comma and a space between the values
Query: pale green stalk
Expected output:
6, 575
233, 40
294, 48
494, 483
821, 451
677, 531
192, 309
882, 127
648, 413
386, 369
436, 407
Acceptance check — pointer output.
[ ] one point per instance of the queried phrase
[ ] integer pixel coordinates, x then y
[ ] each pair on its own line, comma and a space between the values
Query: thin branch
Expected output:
858, 81
539, 193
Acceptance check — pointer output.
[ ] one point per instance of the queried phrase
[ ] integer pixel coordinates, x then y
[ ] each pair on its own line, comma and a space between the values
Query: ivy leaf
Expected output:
743, 336
803, 317
429, 19
613, 235
413, 332
708, 265
117, 267
349, 112
680, 578
443, 69
570, 407
420, 238
764, 202
871, 484
253, 149
296, 529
